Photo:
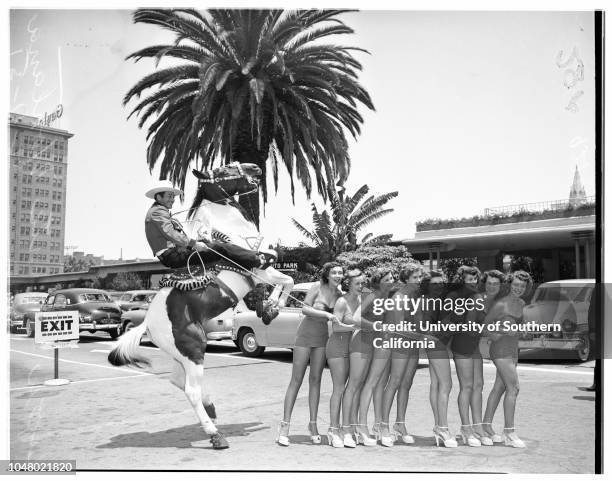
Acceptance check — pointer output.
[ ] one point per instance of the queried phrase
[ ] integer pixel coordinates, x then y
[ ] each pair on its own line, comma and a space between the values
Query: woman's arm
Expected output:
307, 308
343, 313
475, 315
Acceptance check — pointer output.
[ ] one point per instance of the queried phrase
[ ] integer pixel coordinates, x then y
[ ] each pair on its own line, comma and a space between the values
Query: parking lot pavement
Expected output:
108, 419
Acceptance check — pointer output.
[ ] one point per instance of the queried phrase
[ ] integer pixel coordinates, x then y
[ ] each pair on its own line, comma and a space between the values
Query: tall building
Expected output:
37, 187
577, 193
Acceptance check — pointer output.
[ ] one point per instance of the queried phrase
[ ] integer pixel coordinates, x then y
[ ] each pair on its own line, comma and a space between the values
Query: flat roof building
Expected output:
38, 161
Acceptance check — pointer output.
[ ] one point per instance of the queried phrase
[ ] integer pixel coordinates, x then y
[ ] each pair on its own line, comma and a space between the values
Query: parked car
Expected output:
97, 312
24, 306
252, 336
564, 304
217, 329
131, 299
115, 296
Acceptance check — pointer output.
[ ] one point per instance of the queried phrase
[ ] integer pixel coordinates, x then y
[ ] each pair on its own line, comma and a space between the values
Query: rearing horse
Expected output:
175, 319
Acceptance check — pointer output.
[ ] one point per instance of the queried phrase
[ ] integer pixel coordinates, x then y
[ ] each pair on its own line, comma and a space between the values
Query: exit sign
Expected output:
56, 326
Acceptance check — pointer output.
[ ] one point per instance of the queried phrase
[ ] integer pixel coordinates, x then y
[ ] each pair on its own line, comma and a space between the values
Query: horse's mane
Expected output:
214, 193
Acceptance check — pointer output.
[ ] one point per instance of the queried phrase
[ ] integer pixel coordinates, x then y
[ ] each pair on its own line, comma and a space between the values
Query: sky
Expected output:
470, 113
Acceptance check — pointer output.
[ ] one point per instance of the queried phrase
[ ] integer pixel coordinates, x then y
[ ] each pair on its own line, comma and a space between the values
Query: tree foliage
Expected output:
259, 86
74, 264
126, 281
367, 258
336, 233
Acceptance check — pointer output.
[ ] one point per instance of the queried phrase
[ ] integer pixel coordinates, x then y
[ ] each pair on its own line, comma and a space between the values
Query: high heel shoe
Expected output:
469, 438
484, 439
347, 438
333, 438
511, 439
376, 431
406, 438
283, 439
496, 438
386, 441
364, 438
441, 433
314, 438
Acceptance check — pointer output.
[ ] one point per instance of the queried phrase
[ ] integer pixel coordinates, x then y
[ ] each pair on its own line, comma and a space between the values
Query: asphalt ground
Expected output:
123, 418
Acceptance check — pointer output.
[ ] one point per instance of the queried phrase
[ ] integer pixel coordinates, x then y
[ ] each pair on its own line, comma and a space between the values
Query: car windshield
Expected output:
31, 300
557, 294
150, 297
139, 298
93, 297
296, 299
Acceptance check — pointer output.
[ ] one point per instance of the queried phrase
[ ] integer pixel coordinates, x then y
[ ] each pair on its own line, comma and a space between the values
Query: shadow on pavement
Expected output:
584, 398
182, 437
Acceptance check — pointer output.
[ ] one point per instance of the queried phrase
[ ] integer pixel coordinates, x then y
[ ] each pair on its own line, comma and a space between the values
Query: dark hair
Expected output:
408, 270
466, 270
327, 267
348, 277
497, 275
522, 276
378, 276
424, 286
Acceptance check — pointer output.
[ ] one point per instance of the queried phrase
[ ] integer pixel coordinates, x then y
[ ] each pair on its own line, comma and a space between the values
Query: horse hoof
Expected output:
218, 441
210, 410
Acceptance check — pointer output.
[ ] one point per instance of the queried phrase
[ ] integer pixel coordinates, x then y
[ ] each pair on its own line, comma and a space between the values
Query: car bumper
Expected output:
88, 326
17, 323
218, 336
551, 343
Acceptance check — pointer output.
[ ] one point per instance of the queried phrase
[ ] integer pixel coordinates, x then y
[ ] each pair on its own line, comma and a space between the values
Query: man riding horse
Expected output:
177, 316
174, 248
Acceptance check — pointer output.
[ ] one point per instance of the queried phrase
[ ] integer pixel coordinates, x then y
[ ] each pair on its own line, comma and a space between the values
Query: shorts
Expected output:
338, 345
362, 342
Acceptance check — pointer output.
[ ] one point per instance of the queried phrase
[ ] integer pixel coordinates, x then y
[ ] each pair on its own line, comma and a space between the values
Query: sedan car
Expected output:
252, 336
97, 312
564, 304
131, 299
24, 307
217, 329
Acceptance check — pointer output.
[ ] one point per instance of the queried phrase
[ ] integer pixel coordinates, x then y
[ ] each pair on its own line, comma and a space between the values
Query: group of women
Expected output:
342, 327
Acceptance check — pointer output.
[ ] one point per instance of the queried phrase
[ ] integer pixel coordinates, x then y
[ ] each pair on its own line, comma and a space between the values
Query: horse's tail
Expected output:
125, 352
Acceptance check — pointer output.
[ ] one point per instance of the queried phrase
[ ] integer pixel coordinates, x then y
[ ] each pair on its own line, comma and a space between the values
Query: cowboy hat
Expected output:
162, 186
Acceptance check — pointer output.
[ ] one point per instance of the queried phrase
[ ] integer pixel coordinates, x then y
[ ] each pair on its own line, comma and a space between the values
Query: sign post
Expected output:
56, 329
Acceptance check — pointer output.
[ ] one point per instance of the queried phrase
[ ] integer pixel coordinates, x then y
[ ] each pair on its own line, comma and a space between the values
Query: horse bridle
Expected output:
241, 175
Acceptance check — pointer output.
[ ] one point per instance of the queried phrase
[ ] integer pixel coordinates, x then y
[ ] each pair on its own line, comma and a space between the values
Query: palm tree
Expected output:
251, 86
337, 233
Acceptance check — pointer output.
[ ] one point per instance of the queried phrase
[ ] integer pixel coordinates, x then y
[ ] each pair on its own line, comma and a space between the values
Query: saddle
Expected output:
183, 280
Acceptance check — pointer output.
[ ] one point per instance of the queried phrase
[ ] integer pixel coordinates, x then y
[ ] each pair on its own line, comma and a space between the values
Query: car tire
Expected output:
584, 354
248, 344
128, 326
29, 328
236, 343
115, 333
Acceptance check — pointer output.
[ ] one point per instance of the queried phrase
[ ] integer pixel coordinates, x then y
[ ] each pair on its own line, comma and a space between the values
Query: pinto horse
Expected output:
175, 319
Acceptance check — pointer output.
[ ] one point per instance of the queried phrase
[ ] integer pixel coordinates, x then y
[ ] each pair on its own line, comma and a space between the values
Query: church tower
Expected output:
577, 194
